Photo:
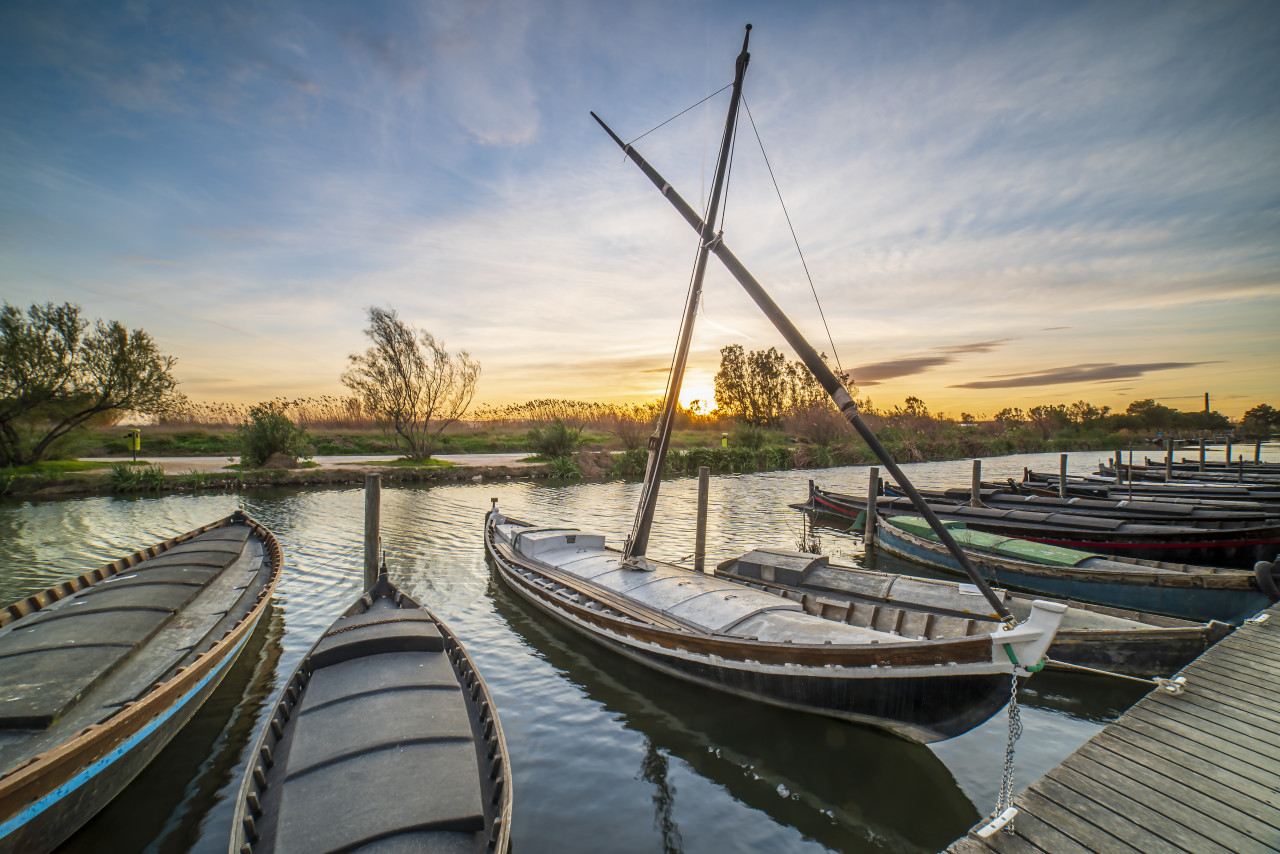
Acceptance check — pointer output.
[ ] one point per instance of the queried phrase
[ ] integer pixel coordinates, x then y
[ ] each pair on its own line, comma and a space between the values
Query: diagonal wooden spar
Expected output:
839, 394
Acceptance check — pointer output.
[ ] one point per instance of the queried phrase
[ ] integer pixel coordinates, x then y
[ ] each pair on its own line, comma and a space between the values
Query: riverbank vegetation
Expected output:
70, 391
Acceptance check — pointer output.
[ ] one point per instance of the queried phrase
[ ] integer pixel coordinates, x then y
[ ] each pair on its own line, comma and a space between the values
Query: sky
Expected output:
999, 203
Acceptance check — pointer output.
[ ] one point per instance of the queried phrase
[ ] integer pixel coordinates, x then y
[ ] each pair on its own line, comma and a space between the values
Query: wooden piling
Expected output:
975, 490
1062, 476
1228, 451
1257, 452
873, 500
1202, 454
372, 508
1168, 460
1119, 467
700, 539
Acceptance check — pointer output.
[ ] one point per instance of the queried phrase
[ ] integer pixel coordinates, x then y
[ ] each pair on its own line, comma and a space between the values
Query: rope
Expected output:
355, 626
794, 239
679, 114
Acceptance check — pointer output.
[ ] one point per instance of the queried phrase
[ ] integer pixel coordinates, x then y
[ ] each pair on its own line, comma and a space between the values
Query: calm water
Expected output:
607, 755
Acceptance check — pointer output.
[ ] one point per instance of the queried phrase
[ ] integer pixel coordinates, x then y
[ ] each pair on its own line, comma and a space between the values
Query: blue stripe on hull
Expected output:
1229, 606
143, 740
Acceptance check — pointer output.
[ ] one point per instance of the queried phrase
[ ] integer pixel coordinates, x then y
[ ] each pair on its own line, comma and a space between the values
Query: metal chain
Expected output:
1015, 732
355, 626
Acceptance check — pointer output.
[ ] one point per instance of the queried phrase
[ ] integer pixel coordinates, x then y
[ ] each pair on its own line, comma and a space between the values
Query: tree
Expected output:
410, 381
762, 388
54, 377
1259, 421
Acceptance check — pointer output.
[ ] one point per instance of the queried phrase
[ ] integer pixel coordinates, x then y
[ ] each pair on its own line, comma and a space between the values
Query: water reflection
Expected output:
849, 788
607, 754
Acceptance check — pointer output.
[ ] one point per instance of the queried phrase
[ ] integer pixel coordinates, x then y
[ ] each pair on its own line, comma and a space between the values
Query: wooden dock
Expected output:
1197, 772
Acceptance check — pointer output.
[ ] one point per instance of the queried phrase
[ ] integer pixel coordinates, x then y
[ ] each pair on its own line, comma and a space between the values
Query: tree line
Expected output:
60, 373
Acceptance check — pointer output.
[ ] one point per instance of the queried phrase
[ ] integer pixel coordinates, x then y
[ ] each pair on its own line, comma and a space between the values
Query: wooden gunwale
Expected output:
1208, 578
62, 589
742, 651
56, 766
469, 679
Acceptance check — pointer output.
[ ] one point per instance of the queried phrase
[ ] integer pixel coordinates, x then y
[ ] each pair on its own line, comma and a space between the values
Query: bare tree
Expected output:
54, 377
408, 380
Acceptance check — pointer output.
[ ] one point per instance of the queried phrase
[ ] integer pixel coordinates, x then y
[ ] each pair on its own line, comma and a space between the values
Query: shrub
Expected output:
566, 468
557, 439
124, 477
746, 435
266, 431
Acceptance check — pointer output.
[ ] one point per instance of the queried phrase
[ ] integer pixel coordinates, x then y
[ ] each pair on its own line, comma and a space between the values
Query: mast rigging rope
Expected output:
835, 355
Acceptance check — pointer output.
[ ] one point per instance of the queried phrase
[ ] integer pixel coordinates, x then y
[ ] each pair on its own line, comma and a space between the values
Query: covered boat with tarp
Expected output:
385, 738
1178, 590
99, 672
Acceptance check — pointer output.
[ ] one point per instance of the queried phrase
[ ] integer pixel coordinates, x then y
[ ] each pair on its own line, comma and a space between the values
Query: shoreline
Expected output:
209, 474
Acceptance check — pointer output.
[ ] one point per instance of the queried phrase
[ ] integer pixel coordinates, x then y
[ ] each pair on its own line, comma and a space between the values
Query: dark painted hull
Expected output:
922, 706
1237, 549
1231, 606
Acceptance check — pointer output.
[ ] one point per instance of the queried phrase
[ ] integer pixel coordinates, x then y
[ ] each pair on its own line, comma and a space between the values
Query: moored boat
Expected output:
761, 645
1179, 590
1235, 547
751, 643
98, 673
385, 737
1113, 639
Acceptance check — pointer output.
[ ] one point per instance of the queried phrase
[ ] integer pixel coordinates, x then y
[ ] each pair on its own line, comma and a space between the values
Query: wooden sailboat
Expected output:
752, 643
99, 672
385, 737
1115, 639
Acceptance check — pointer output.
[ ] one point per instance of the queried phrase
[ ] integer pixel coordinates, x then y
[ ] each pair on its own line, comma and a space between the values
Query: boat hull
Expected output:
918, 703
1233, 548
385, 736
1190, 603
48, 797
81, 797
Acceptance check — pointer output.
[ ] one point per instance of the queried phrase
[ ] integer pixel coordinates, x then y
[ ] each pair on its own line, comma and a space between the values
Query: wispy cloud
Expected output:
1076, 374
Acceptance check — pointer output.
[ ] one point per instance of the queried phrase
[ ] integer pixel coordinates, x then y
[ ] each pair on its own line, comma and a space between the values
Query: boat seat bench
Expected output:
382, 705
53, 657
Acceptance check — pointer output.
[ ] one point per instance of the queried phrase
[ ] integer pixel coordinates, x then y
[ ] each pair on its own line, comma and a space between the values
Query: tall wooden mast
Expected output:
834, 387
638, 542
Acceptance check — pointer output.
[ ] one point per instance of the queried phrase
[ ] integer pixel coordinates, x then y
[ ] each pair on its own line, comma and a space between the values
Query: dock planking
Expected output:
1197, 772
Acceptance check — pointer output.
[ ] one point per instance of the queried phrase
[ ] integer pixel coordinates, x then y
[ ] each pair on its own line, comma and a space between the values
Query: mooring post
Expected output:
1257, 452
1228, 450
873, 501
975, 494
1240, 470
1202, 454
1168, 460
700, 539
1119, 467
1062, 475
372, 499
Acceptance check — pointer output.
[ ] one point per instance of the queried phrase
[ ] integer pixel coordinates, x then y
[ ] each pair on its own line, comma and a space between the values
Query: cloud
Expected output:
1088, 373
877, 372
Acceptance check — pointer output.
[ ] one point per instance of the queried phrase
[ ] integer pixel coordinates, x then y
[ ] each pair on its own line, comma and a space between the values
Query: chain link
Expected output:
1015, 732
374, 623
